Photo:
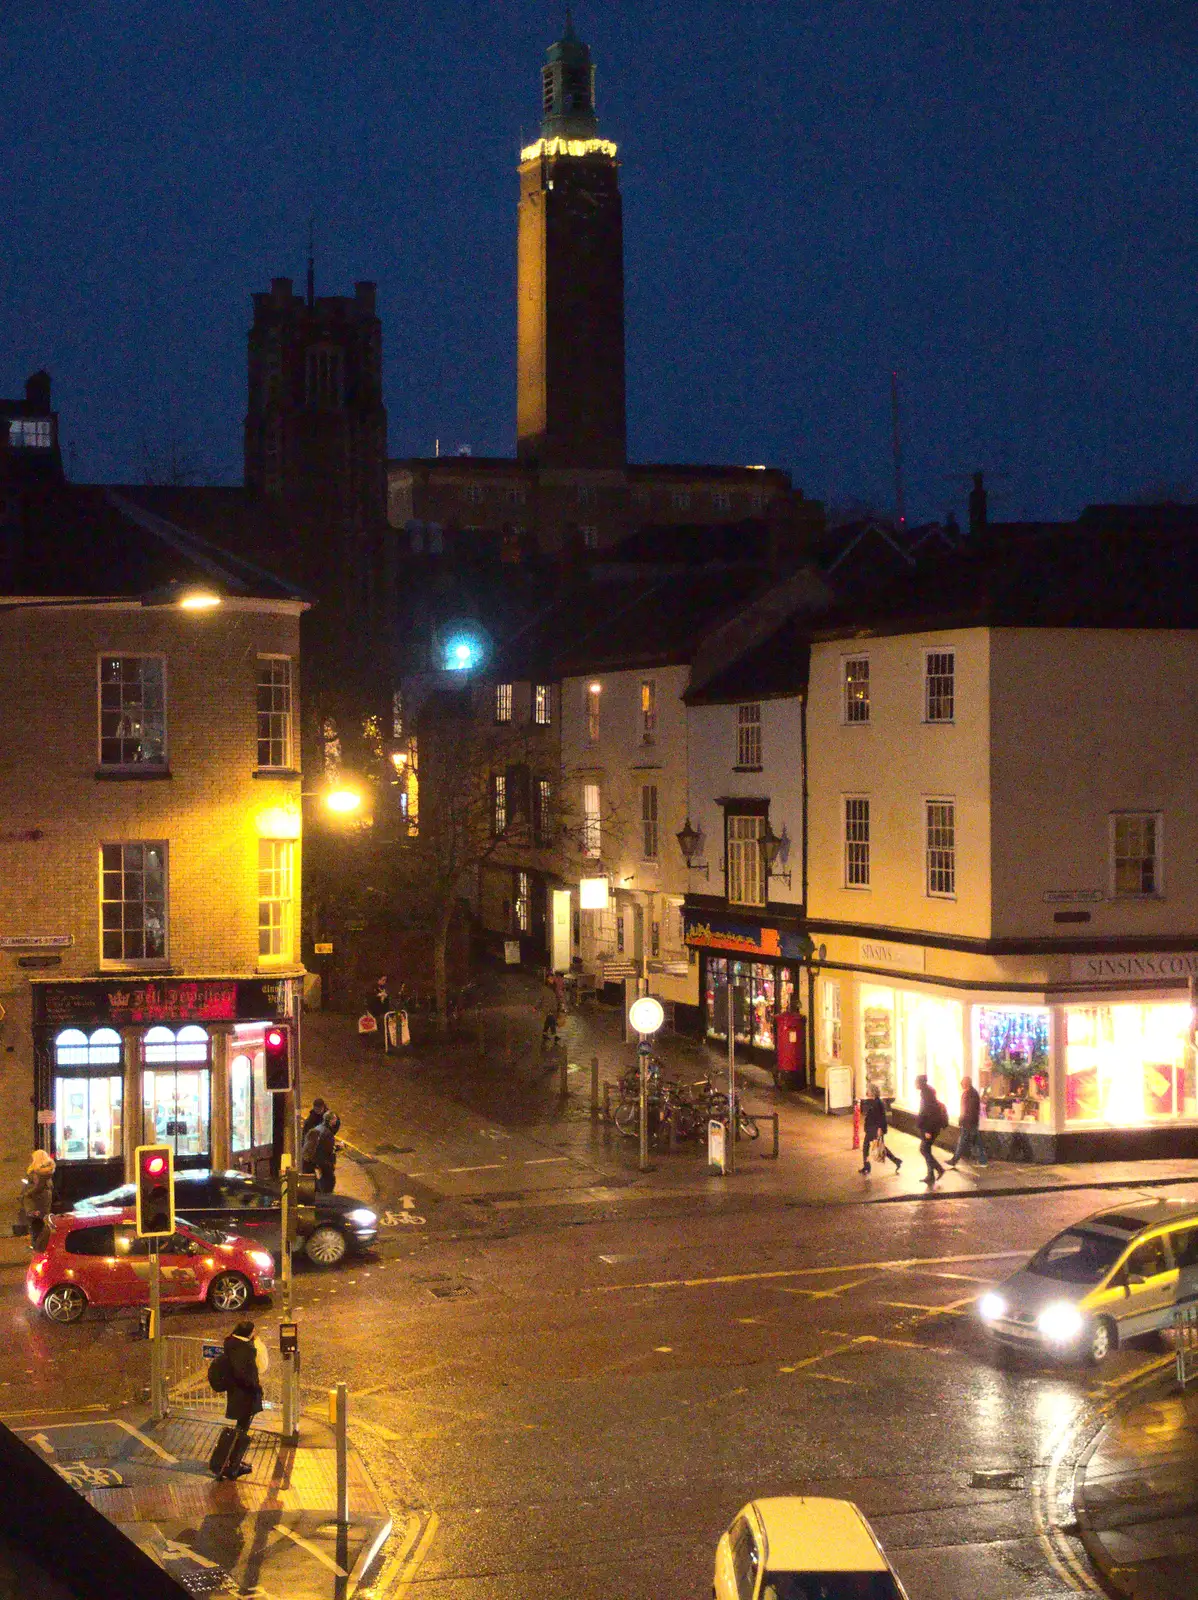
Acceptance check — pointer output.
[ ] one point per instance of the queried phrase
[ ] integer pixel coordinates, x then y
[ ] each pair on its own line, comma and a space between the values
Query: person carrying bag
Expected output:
37, 1198
875, 1128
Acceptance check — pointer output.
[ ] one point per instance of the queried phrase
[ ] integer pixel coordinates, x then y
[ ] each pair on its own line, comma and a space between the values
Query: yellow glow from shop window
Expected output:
568, 147
399, 758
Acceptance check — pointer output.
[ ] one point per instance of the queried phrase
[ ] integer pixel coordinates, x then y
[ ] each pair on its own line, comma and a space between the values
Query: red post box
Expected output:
792, 1051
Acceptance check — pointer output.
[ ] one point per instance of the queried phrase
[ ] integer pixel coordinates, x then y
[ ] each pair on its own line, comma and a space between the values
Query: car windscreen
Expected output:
208, 1235
829, 1586
1079, 1255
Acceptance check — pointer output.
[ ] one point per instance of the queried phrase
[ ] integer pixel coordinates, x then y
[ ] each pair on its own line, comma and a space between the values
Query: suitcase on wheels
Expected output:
227, 1454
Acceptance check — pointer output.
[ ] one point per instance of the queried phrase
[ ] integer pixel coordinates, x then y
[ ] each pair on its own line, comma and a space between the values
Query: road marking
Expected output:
313, 1550
827, 1377
663, 1349
826, 1294
493, 1167
378, 1430
804, 1272
115, 1422
545, 1161
396, 1559
360, 1394
42, 1443
58, 1411
150, 1444
417, 1558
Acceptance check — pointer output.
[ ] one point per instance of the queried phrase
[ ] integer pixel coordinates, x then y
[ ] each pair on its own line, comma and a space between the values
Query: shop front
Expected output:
1071, 1070
176, 1061
762, 964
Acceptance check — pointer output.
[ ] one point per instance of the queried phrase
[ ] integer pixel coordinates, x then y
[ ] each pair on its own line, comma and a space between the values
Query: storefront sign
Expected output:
45, 1119
322, 949
724, 933
1151, 967
36, 941
1073, 897
901, 957
140, 1000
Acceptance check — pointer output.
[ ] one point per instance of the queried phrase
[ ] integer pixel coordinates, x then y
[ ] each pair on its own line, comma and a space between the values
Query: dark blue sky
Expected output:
995, 196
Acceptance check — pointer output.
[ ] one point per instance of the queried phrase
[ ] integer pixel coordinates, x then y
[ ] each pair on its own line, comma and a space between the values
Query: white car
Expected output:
793, 1547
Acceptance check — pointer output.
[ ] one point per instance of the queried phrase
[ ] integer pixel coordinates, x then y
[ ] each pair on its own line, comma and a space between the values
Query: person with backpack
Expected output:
874, 1129
237, 1373
931, 1122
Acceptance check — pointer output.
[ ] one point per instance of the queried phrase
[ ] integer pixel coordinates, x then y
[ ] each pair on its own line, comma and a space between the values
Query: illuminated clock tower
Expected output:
570, 277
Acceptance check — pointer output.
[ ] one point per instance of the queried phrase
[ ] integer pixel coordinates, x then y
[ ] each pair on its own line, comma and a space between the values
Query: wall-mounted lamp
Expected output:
689, 842
771, 844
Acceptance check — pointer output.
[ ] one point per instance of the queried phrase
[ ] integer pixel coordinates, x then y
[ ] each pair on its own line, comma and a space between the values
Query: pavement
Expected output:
271, 1533
474, 1128
1136, 1495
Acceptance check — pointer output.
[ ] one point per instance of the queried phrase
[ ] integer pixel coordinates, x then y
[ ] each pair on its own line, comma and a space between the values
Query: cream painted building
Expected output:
1004, 876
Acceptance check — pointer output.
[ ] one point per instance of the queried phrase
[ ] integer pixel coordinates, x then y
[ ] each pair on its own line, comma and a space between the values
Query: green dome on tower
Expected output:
568, 89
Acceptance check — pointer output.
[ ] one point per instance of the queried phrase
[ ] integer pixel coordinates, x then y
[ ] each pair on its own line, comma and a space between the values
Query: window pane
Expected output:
132, 711
241, 1103
856, 843
939, 685
274, 713
856, 689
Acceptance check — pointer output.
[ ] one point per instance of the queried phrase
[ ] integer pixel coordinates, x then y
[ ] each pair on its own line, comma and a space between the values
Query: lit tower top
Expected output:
570, 277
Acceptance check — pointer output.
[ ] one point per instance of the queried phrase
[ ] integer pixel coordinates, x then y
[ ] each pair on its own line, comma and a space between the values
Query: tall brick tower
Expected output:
570, 277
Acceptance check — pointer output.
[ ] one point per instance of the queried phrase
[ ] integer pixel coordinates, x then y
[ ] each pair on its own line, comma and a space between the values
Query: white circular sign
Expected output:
646, 1014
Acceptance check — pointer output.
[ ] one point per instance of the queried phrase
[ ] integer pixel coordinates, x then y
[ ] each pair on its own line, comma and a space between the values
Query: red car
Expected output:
95, 1258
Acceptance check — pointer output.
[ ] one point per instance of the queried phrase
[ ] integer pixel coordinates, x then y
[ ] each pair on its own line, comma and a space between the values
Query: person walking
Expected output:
968, 1137
325, 1154
315, 1116
874, 1130
246, 1362
37, 1196
931, 1122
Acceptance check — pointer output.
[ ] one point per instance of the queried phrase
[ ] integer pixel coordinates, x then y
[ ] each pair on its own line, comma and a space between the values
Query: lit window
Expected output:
745, 871
30, 433
748, 736
1136, 853
274, 712
543, 814
648, 710
275, 899
649, 821
832, 1038
939, 685
498, 803
132, 711
591, 824
593, 693
655, 938
176, 1089
856, 689
856, 842
88, 1094
133, 902
523, 910
941, 828
542, 704
251, 1104
503, 702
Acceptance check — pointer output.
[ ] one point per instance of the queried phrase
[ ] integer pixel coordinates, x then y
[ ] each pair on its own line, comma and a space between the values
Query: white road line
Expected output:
495, 1166
544, 1161
149, 1443
313, 1550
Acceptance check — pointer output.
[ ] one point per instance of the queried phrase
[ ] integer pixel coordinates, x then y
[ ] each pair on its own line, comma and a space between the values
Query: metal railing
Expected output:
187, 1388
1185, 1336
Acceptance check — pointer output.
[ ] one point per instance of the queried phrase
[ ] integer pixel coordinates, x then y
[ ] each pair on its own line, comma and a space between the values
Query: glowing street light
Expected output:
342, 799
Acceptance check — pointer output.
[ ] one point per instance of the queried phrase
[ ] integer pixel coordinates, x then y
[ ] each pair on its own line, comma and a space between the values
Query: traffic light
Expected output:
155, 1191
300, 1192
276, 1048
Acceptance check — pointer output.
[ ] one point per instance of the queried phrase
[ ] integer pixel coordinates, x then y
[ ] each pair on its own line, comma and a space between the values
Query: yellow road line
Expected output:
804, 1272
416, 1560
313, 1550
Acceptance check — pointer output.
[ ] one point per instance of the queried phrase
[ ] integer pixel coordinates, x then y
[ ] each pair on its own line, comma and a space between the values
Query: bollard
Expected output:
856, 1124
338, 1407
563, 1084
594, 1087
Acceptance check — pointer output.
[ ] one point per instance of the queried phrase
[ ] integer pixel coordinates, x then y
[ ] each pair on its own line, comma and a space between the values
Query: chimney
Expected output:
37, 391
977, 507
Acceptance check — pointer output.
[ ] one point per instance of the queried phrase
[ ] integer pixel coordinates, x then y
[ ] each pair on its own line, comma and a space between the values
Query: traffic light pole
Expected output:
289, 1358
157, 1345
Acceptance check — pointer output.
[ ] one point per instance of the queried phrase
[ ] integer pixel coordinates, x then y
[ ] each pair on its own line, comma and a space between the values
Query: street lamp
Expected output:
646, 1015
689, 841
770, 845
342, 799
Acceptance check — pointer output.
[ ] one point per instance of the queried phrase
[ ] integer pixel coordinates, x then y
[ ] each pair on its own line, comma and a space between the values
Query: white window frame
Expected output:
592, 822
931, 703
542, 705
129, 766
851, 709
522, 902
749, 742
940, 859
855, 825
276, 901
30, 433
503, 703
286, 715
499, 798
649, 829
744, 876
1156, 818
833, 1040
125, 961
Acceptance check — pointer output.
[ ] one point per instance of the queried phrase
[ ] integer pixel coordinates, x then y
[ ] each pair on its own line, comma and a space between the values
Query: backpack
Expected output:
220, 1374
941, 1117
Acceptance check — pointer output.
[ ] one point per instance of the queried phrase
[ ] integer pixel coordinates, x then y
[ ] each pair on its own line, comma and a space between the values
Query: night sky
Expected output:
997, 197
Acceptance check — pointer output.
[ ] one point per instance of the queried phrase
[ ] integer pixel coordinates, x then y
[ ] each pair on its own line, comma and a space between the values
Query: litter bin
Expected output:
838, 1090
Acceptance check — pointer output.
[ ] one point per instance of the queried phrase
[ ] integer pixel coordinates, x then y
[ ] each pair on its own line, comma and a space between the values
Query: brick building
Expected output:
150, 849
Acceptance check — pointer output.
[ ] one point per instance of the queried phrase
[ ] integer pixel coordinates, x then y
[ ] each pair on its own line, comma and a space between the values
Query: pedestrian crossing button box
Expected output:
288, 1338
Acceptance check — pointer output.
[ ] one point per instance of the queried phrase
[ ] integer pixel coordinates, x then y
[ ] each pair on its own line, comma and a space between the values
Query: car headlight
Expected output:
362, 1217
263, 1260
1060, 1323
991, 1307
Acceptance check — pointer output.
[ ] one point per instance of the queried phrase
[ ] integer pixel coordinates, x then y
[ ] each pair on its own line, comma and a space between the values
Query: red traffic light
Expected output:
274, 1039
156, 1165
276, 1051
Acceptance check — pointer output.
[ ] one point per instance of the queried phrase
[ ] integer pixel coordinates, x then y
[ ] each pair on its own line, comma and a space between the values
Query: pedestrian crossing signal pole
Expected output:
155, 1222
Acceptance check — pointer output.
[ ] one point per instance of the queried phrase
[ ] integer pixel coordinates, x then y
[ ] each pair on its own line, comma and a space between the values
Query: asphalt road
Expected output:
579, 1410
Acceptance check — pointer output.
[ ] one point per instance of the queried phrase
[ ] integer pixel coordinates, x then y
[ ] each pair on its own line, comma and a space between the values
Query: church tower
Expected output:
570, 277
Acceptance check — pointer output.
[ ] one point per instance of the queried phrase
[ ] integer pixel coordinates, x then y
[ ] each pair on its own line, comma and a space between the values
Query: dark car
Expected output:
251, 1208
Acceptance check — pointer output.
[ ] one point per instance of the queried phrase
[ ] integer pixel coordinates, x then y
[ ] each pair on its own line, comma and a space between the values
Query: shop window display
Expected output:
754, 996
877, 1021
176, 1089
88, 1095
905, 1035
1128, 1064
1012, 1062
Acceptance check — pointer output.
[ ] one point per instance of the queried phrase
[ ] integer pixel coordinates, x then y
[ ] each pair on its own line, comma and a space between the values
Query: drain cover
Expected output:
996, 1480
450, 1291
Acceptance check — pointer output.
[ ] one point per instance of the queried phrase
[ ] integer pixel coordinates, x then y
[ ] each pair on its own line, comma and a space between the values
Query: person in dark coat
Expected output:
325, 1153
875, 1126
248, 1361
315, 1116
932, 1121
37, 1197
968, 1138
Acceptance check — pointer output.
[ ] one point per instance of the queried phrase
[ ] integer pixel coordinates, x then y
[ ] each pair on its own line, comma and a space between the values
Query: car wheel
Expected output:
66, 1302
326, 1247
1103, 1339
228, 1291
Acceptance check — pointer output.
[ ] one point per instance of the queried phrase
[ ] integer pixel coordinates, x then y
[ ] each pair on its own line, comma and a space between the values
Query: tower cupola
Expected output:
568, 89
